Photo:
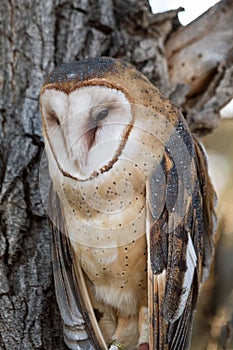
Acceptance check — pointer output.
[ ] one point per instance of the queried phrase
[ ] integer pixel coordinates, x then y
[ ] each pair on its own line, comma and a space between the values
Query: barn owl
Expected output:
131, 206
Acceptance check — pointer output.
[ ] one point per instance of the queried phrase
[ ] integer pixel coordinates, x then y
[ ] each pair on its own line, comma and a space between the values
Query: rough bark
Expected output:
36, 36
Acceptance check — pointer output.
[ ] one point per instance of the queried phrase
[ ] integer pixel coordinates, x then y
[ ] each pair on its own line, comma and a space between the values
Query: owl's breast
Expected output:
108, 211
106, 222
118, 275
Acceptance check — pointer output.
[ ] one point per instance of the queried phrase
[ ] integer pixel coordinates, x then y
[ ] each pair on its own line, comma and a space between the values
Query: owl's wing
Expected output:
80, 327
180, 225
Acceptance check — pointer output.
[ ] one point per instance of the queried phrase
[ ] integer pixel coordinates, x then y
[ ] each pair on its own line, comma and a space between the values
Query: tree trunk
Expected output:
191, 65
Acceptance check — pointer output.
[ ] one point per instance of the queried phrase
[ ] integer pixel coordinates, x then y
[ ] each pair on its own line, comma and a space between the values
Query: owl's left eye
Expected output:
52, 118
101, 115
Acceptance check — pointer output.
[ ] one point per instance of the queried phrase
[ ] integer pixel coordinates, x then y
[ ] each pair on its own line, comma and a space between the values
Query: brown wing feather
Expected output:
81, 330
180, 238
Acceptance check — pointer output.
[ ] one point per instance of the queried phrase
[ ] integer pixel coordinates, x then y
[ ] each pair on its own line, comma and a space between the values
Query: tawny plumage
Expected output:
132, 208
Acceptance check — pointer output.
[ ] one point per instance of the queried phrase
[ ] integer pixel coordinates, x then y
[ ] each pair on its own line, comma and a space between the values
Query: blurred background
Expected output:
217, 300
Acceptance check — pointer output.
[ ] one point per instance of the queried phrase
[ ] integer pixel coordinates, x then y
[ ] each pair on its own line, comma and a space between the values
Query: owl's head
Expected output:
87, 113
86, 120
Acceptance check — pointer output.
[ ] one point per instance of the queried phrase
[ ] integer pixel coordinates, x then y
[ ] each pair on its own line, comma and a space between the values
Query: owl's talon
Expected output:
116, 345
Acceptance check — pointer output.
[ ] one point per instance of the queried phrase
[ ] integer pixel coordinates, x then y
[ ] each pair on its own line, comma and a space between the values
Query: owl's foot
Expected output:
116, 345
126, 334
119, 346
113, 347
144, 346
